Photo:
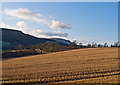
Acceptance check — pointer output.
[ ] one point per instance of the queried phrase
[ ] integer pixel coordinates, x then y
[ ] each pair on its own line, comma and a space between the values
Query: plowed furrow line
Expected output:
60, 79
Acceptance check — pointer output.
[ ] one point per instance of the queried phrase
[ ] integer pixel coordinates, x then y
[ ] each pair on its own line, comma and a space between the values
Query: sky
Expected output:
85, 22
59, 0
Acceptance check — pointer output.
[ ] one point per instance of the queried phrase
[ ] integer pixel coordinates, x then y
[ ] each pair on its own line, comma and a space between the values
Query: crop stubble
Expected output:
90, 65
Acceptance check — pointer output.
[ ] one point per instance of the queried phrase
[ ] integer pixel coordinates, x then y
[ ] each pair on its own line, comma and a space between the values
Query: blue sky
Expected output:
85, 22
60, 0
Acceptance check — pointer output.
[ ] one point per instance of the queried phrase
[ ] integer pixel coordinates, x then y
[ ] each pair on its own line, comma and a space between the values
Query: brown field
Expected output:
89, 65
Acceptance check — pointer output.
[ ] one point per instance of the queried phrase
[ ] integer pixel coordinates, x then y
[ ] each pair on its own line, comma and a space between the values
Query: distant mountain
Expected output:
62, 40
12, 38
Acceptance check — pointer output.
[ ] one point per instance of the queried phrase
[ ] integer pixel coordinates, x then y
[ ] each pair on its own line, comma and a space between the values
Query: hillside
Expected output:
12, 38
90, 65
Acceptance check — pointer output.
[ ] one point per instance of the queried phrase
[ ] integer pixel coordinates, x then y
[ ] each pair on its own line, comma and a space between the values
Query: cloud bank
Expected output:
49, 34
22, 26
26, 14
29, 15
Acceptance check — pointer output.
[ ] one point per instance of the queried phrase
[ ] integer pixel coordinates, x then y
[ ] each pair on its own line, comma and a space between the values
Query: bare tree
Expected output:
88, 45
94, 44
116, 44
105, 44
99, 45
80, 44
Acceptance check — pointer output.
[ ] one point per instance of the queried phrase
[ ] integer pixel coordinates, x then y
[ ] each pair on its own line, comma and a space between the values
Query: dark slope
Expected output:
12, 38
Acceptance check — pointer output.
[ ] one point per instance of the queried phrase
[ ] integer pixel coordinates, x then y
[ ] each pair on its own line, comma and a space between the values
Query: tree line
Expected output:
55, 47
49, 47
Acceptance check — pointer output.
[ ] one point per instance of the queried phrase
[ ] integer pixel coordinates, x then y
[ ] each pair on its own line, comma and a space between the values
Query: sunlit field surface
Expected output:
89, 65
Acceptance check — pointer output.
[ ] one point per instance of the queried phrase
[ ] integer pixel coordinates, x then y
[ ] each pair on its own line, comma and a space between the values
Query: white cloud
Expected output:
39, 33
22, 24
59, 25
49, 34
24, 13
3, 25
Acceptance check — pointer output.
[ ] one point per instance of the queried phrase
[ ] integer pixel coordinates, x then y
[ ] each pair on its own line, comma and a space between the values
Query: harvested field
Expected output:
90, 65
